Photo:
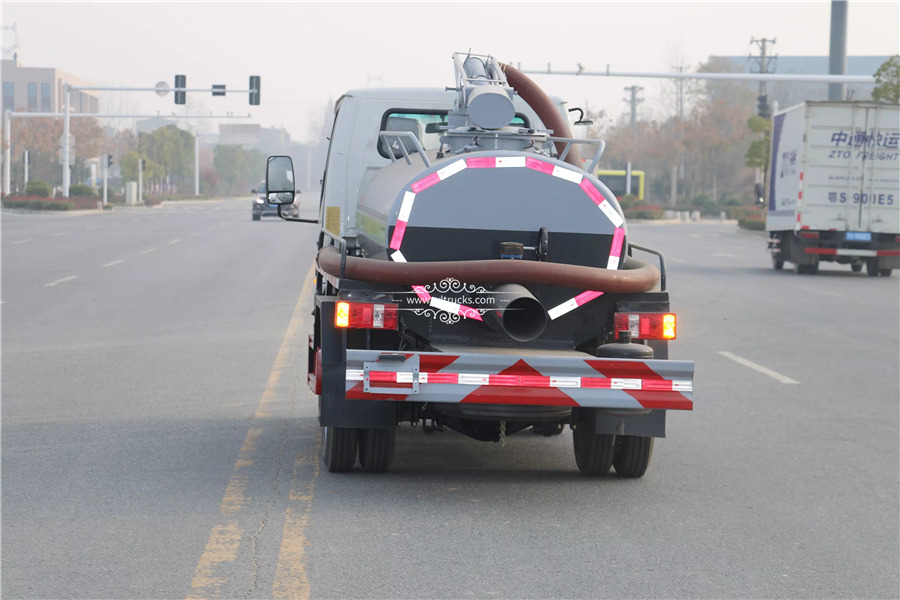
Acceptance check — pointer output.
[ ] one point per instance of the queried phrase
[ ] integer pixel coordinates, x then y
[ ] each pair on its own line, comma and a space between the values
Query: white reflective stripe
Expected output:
441, 304
611, 213
406, 206
404, 377
682, 385
613, 262
625, 384
355, 374
423, 377
451, 169
398, 257
473, 379
510, 161
565, 382
850, 252
567, 174
562, 309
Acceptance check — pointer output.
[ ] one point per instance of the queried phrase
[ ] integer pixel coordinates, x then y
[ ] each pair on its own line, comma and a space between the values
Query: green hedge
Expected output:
740, 212
755, 223
38, 204
79, 190
40, 189
645, 212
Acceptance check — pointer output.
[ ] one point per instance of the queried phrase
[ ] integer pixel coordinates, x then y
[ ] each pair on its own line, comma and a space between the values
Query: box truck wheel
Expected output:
632, 455
856, 267
777, 263
376, 449
872, 266
593, 451
339, 451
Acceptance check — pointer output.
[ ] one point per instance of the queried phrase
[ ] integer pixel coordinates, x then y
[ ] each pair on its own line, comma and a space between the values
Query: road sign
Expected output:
62, 141
162, 89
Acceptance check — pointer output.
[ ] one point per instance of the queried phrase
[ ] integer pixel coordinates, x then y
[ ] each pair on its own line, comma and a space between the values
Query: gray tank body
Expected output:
465, 206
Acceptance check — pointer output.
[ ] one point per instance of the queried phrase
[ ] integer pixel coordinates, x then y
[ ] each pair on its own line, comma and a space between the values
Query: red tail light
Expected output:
809, 235
365, 315
646, 326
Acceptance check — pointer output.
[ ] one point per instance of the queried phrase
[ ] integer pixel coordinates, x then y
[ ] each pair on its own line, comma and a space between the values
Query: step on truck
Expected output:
473, 275
834, 187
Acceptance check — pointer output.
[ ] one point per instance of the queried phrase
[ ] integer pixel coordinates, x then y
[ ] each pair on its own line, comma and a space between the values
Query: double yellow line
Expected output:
221, 552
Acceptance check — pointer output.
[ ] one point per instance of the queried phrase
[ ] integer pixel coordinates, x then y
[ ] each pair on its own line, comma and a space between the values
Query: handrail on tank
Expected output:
569, 141
399, 135
662, 262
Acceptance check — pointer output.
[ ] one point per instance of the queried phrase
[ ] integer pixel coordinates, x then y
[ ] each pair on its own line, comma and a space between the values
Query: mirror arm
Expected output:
293, 219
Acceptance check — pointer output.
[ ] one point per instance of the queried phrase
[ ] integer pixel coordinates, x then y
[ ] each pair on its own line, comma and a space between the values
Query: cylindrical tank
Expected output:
465, 206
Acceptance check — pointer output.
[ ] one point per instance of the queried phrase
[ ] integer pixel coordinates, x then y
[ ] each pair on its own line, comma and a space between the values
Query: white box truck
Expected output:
834, 186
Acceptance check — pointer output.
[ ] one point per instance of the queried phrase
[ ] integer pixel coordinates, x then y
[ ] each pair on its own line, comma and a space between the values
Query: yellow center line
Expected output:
210, 577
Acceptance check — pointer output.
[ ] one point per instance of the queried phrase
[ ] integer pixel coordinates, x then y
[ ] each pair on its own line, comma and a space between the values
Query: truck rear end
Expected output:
473, 275
834, 187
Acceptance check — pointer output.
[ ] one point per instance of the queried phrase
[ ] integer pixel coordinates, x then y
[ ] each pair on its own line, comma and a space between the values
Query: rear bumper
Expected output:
484, 378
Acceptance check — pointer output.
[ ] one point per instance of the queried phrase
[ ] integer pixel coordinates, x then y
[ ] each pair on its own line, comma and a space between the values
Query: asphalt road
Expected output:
159, 441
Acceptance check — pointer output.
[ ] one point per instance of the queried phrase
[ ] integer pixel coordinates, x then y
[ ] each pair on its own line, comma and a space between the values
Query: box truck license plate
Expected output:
859, 236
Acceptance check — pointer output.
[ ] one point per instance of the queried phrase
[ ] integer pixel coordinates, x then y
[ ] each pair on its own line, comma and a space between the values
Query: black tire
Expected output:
632, 456
812, 269
339, 448
857, 267
885, 272
800, 269
256, 217
593, 451
777, 263
872, 267
376, 449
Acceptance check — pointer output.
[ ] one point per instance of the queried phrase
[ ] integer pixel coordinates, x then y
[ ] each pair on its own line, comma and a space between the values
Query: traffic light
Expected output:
254, 90
762, 106
180, 82
143, 164
109, 160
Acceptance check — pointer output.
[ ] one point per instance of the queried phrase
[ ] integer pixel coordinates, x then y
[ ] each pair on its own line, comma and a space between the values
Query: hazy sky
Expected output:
308, 53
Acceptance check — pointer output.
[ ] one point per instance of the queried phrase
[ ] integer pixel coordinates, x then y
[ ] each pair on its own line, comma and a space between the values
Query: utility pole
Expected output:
763, 62
837, 52
679, 100
634, 101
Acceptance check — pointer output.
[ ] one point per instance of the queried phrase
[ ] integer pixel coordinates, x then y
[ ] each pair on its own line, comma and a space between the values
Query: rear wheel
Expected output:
339, 452
376, 449
857, 267
885, 272
593, 451
777, 263
632, 455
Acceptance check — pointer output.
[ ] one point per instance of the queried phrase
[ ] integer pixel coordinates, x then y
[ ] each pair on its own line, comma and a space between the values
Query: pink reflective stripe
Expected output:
425, 182
469, 313
481, 162
591, 191
422, 293
397, 238
539, 165
618, 238
585, 297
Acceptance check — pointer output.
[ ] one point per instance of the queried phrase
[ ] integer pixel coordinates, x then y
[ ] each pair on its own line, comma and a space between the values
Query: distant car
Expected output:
263, 208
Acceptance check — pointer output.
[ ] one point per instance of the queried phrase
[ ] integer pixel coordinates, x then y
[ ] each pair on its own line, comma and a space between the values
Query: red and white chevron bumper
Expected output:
531, 380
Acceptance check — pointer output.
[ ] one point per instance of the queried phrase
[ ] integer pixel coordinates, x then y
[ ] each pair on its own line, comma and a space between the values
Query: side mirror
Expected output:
280, 180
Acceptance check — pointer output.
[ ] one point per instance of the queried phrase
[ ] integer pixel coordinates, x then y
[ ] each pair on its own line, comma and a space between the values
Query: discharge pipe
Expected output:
517, 313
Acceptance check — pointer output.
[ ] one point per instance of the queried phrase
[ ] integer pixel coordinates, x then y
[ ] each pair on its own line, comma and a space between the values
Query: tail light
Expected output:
646, 326
809, 235
365, 315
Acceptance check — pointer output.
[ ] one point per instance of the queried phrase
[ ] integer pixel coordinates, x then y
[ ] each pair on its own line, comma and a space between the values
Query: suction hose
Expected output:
546, 110
632, 277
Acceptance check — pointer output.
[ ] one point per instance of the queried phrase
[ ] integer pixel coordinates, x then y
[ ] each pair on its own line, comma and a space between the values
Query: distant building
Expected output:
40, 89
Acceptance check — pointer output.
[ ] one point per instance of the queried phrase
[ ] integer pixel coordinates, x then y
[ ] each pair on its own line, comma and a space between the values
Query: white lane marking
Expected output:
61, 234
148, 251
827, 293
758, 368
63, 280
114, 263
173, 242
21, 242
